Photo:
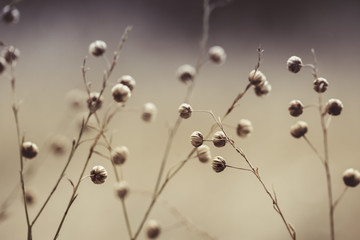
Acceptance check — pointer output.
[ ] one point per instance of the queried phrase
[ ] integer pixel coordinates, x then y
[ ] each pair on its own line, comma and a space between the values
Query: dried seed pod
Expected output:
11, 55
299, 129
121, 93
294, 64
296, 108
320, 85
153, 229
351, 177
2, 65
119, 155
30, 197
94, 101
244, 128
29, 150
334, 107
185, 110
218, 164
98, 174
149, 112
263, 89
197, 139
186, 73
219, 139
10, 14
256, 78
217, 55
128, 81
203, 153
97, 48
58, 145
121, 189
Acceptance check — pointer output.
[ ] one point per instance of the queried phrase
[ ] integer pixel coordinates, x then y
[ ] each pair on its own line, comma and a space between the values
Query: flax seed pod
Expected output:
121, 93
217, 55
244, 128
153, 229
203, 153
351, 177
263, 89
119, 155
256, 78
122, 189
299, 129
185, 110
128, 81
11, 55
186, 73
98, 174
320, 85
197, 139
10, 15
149, 112
97, 48
219, 139
294, 64
334, 107
94, 101
296, 108
29, 150
218, 164
2, 65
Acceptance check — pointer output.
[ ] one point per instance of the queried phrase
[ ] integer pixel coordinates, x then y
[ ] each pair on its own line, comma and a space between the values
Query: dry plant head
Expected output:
320, 85
263, 89
149, 112
299, 129
294, 64
257, 78
94, 101
121, 189
10, 14
296, 108
203, 153
128, 81
121, 93
196, 139
119, 155
219, 139
334, 107
11, 55
217, 55
98, 174
218, 164
351, 177
153, 229
97, 48
244, 128
29, 150
185, 110
186, 73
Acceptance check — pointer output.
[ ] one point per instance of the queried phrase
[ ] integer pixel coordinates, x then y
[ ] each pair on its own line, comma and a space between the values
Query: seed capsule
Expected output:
119, 155
320, 85
351, 177
219, 139
121, 93
2, 65
185, 110
122, 189
334, 107
186, 73
203, 153
217, 55
98, 174
257, 78
11, 55
299, 129
97, 48
29, 150
128, 81
10, 15
244, 128
218, 164
153, 229
94, 101
263, 89
296, 108
197, 139
149, 112
294, 64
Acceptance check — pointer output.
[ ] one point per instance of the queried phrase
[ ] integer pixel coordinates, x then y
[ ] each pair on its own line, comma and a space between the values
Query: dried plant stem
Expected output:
340, 197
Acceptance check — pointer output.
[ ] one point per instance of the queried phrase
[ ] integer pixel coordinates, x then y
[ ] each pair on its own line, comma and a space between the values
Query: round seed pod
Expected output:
244, 128
128, 81
185, 110
217, 55
294, 64
119, 155
121, 93
98, 174
30, 197
11, 55
351, 177
29, 150
149, 112
218, 164
94, 101
122, 189
203, 153
58, 145
263, 89
320, 85
186, 73
296, 108
299, 129
97, 48
153, 229
10, 15
197, 139
256, 78
219, 139
334, 107
2, 65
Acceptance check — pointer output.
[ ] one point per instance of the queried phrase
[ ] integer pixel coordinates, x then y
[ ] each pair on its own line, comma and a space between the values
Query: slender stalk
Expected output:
340, 197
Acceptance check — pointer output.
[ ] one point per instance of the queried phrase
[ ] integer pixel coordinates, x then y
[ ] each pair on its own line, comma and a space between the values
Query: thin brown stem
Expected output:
340, 197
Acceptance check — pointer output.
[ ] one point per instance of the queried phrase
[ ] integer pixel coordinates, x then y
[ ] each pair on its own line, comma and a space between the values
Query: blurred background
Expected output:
53, 37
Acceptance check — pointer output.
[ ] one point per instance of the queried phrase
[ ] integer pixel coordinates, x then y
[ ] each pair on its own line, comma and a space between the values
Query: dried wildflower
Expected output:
257, 78
197, 139
10, 15
11, 55
334, 107
119, 155
185, 110
296, 108
244, 128
97, 48
128, 81
186, 73
218, 164
219, 139
299, 129
122, 189
30, 197
121, 93
320, 85
217, 55
58, 145
98, 174
94, 101
203, 153
29, 150
262, 89
153, 229
294, 64
2, 65
149, 112
351, 177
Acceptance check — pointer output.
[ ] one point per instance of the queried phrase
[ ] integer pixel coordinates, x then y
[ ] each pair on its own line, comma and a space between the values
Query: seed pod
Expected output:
97, 48
185, 110
257, 78
30, 197
203, 153
153, 229
351, 177
98, 174
128, 81
149, 112
299, 129
320, 85
334, 107
29, 150
217, 55
218, 164
219, 139
10, 15
2, 65
197, 139
263, 89
94, 101
119, 155
294, 64
121, 189
58, 145
11, 55
244, 128
296, 108
186, 73
121, 93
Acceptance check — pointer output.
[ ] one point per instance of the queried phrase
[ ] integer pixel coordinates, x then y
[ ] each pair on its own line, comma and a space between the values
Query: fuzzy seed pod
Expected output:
149, 112
197, 139
320, 85
10, 15
299, 129
219, 139
334, 107
296, 108
128, 81
29, 150
218, 164
122, 189
217, 55
98, 174
203, 153
121, 93
119, 155
263, 89
94, 101
294, 64
186, 73
351, 177
58, 145
257, 78
185, 110
30, 197
97, 48
153, 229
2, 65
244, 128
11, 55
